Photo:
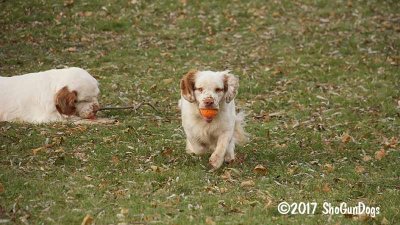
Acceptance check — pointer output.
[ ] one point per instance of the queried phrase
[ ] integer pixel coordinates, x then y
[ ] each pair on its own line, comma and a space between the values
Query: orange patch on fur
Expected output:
187, 85
65, 101
226, 78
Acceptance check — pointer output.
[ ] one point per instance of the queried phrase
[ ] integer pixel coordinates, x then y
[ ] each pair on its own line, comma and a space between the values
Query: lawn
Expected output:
319, 81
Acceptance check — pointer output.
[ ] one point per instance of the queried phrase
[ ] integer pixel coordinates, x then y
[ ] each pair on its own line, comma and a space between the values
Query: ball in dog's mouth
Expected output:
208, 114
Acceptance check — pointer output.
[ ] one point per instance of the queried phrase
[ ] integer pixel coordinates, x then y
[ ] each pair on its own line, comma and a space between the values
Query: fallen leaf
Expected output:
278, 71
392, 143
155, 168
60, 150
276, 14
115, 160
88, 178
247, 183
329, 167
36, 150
124, 211
326, 188
367, 158
384, 221
87, 220
321, 98
210, 221
223, 190
359, 169
167, 152
324, 20
362, 217
260, 169
168, 80
226, 175
120, 193
290, 171
68, 2
71, 49
87, 14
345, 138
380, 154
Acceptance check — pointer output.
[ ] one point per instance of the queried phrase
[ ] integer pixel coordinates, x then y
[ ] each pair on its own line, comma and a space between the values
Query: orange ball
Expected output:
209, 113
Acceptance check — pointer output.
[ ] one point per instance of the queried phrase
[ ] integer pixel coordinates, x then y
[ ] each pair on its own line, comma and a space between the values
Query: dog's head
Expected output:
210, 90
79, 97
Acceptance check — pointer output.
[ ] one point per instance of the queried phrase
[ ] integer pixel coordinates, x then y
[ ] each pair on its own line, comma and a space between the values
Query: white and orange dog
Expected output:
220, 133
48, 96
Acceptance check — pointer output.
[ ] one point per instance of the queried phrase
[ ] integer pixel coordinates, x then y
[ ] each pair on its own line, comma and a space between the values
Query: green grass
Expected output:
328, 67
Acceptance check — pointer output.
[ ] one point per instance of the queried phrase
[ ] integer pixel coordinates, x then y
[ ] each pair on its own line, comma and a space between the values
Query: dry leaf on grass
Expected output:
392, 143
120, 193
35, 151
385, 221
87, 220
346, 138
247, 183
326, 188
367, 158
88, 178
168, 80
68, 2
291, 170
226, 175
210, 221
380, 154
359, 169
276, 14
115, 160
155, 168
167, 152
124, 211
329, 168
71, 49
362, 217
260, 169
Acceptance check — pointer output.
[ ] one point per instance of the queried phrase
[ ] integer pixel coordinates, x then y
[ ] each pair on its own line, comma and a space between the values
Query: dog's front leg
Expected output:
217, 158
193, 147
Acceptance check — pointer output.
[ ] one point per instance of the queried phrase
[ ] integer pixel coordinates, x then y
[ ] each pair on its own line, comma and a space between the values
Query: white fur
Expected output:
225, 130
31, 97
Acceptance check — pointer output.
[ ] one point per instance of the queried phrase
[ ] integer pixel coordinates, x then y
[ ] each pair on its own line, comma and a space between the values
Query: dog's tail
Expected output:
240, 135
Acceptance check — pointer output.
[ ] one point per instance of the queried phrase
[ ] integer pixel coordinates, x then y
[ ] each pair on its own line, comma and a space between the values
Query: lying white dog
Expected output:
213, 91
48, 96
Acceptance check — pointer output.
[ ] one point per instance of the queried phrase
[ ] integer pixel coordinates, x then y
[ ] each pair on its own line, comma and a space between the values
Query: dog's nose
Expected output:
208, 102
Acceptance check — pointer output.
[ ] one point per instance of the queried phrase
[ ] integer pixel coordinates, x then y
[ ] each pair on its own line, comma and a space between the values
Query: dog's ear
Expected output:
231, 85
187, 86
65, 101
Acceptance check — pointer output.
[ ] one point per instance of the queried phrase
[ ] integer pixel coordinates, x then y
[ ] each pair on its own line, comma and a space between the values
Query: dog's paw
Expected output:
229, 157
216, 161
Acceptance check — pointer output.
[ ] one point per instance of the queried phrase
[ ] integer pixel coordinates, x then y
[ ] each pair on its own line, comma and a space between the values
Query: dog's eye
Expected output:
218, 89
199, 89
